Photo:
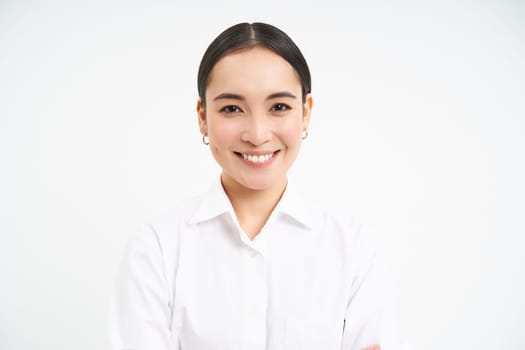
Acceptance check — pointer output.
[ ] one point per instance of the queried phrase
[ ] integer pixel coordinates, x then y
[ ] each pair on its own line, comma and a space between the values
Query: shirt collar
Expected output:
212, 204
294, 205
215, 202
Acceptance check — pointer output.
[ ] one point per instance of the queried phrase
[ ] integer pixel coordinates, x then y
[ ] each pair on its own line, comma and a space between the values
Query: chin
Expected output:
260, 184
257, 186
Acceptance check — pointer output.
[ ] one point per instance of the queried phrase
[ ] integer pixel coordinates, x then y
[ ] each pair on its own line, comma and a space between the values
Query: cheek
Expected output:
222, 133
291, 130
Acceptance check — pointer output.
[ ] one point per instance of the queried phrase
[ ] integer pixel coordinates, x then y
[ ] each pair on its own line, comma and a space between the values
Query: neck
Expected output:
252, 207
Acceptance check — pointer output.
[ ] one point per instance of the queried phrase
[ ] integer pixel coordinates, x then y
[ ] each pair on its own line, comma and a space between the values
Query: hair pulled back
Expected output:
248, 35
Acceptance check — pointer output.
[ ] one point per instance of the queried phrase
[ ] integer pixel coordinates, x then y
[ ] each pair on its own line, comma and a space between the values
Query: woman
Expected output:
250, 264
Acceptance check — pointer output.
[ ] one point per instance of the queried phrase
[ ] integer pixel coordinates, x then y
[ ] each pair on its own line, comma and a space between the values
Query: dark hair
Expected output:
248, 35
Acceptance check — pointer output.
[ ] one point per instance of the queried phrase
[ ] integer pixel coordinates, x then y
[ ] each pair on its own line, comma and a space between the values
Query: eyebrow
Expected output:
230, 96
280, 95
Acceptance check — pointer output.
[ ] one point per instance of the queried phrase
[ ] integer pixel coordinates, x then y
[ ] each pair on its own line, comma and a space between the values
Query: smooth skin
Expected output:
254, 107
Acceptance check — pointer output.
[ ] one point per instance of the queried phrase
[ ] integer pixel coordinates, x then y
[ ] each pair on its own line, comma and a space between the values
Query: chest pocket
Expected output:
313, 334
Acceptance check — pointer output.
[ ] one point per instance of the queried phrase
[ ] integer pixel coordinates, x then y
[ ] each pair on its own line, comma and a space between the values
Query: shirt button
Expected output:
254, 253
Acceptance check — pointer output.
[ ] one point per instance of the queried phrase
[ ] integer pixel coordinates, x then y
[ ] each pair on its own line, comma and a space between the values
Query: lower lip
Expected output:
259, 165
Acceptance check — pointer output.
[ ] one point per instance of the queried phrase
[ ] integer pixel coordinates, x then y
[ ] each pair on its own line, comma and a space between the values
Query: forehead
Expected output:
252, 71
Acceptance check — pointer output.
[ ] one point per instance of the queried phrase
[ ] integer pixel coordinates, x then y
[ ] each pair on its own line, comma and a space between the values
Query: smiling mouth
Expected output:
257, 158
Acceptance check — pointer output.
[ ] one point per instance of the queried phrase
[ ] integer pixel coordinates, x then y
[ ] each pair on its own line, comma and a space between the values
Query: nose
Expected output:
257, 130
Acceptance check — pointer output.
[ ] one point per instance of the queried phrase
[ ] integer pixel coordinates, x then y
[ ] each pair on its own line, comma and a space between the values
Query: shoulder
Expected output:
155, 241
161, 230
337, 221
168, 224
323, 218
176, 215
341, 230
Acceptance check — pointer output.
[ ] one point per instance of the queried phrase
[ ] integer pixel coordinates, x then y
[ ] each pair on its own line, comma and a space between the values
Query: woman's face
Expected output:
254, 118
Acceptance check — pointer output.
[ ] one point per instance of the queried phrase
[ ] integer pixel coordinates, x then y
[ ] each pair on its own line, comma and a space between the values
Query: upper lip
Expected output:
257, 153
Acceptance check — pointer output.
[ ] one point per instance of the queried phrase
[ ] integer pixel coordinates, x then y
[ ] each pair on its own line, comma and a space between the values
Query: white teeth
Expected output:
257, 159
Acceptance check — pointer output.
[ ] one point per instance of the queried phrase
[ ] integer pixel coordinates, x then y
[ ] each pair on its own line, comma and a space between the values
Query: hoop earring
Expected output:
205, 140
304, 134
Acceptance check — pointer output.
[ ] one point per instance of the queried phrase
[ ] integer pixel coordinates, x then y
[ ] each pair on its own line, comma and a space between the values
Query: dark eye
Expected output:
231, 109
280, 107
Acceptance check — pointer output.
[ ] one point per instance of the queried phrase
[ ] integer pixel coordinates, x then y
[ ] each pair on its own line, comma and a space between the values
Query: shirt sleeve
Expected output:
140, 312
372, 312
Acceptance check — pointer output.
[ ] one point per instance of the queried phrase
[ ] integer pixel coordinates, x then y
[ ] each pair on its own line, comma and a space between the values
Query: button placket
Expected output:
258, 285
254, 297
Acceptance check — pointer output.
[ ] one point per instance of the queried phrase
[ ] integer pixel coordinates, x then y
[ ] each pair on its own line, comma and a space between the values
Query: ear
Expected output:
307, 110
201, 115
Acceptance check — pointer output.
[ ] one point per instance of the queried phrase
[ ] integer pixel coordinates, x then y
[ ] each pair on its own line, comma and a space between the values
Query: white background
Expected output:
418, 129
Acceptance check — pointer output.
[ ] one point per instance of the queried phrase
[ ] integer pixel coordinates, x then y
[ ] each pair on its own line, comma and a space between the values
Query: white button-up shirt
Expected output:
193, 280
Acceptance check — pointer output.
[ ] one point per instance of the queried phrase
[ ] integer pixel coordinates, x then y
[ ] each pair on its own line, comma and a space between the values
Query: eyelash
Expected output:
278, 107
282, 107
230, 109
